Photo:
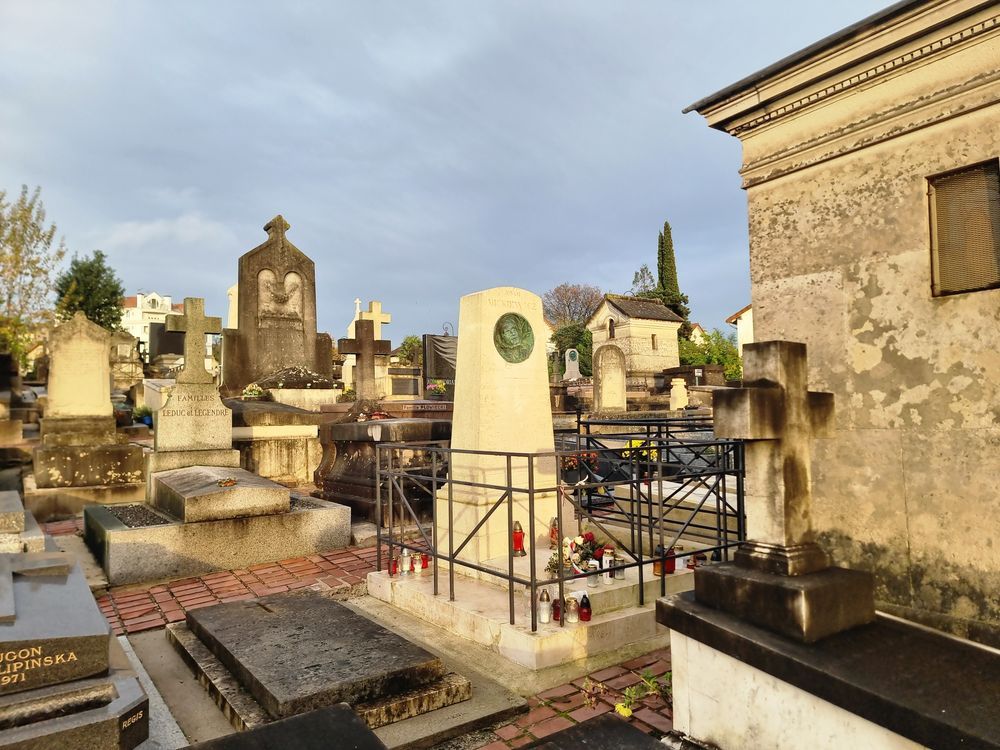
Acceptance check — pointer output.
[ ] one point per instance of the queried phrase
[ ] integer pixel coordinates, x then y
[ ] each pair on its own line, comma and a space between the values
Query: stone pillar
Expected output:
678, 394
502, 405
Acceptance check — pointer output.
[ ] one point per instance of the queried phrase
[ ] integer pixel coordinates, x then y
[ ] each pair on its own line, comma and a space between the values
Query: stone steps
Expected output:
481, 614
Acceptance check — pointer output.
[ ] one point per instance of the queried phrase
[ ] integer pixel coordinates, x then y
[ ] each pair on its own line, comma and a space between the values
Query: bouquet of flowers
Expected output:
575, 554
253, 391
576, 460
436, 387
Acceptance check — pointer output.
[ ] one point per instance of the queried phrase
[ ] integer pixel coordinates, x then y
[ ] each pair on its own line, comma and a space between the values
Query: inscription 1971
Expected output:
15, 665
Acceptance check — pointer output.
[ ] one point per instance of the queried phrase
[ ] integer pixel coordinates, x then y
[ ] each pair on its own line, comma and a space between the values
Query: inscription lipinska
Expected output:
16, 665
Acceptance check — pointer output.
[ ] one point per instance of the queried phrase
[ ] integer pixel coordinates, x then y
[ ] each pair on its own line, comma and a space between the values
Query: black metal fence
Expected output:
646, 484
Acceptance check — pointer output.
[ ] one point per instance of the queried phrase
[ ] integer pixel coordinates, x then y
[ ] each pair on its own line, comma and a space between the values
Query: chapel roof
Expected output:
646, 309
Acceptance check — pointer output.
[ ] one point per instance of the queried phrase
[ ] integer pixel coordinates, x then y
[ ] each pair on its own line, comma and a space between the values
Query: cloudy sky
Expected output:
420, 150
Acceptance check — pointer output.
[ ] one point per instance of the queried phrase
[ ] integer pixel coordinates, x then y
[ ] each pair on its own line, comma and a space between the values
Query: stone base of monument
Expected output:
277, 441
85, 452
481, 611
66, 502
287, 654
137, 543
887, 684
347, 472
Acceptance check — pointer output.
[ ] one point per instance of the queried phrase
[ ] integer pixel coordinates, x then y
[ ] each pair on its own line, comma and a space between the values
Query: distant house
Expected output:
743, 320
644, 329
698, 333
143, 309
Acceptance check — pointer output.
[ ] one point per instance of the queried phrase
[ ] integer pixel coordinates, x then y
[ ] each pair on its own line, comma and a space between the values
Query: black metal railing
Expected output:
646, 488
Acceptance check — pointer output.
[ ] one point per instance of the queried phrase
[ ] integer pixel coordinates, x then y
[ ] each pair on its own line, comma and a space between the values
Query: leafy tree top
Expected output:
92, 286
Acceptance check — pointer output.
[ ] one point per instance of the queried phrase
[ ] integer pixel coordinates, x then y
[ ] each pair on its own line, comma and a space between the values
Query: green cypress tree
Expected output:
668, 288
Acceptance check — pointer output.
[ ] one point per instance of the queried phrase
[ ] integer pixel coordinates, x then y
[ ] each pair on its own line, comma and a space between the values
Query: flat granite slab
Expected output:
194, 494
311, 731
11, 512
299, 651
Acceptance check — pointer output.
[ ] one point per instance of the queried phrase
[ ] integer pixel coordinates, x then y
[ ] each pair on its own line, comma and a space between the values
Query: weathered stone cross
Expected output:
27, 564
366, 347
778, 417
195, 327
378, 317
277, 227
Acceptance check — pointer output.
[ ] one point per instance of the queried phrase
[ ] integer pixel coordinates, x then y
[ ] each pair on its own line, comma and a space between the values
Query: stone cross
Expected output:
366, 347
378, 317
277, 227
195, 327
27, 564
778, 417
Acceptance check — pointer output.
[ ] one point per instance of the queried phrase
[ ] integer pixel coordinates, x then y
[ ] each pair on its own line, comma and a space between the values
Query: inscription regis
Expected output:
14, 665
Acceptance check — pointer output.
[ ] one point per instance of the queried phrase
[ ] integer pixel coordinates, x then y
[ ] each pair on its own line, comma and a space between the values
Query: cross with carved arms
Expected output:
378, 317
366, 347
27, 564
778, 417
195, 326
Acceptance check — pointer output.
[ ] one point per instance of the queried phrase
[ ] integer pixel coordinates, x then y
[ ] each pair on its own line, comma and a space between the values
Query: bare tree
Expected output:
570, 303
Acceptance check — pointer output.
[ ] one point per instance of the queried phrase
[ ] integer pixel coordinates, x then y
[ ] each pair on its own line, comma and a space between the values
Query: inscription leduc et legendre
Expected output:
189, 410
15, 664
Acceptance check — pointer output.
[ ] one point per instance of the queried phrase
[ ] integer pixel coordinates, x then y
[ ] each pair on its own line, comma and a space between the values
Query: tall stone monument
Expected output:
276, 301
572, 365
609, 379
80, 448
502, 405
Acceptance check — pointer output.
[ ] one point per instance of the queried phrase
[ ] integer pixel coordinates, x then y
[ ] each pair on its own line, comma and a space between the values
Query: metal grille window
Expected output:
965, 229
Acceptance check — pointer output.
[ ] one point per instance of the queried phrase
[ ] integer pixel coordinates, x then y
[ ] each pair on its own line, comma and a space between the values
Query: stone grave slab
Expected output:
311, 731
195, 494
291, 653
298, 652
606, 732
43, 646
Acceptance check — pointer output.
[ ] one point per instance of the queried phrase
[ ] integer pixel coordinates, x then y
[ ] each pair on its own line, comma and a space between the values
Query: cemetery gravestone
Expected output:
64, 682
609, 379
277, 314
80, 446
572, 365
502, 405
366, 347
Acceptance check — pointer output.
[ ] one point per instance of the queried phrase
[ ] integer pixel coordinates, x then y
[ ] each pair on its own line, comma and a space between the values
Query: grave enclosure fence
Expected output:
647, 484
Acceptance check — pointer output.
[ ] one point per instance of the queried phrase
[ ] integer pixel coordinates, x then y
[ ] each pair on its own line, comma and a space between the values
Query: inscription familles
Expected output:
15, 665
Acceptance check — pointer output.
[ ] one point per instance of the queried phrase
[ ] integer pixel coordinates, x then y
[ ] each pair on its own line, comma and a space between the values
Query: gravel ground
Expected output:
135, 516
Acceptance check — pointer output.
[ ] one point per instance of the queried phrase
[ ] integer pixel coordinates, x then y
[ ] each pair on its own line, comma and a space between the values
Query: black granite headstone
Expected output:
606, 732
332, 727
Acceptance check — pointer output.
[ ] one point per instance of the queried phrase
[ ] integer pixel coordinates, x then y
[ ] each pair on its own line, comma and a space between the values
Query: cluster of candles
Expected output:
572, 610
409, 563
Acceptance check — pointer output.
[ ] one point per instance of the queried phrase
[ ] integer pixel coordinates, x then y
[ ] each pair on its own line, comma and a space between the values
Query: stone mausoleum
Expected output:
644, 329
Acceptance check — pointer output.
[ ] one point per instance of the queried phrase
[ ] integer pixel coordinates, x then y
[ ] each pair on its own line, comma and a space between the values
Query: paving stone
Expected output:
535, 715
655, 719
639, 662
586, 712
550, 726
605, 732
626, 680
508, 731
558, 692
607, 674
